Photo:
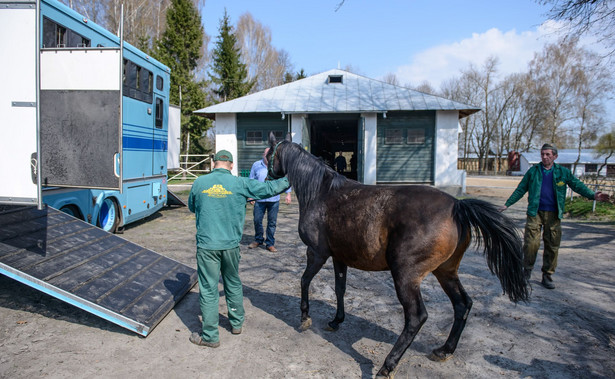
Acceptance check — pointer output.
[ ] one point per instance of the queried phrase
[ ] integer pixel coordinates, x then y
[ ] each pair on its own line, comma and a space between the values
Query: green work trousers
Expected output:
551, 228
210, 264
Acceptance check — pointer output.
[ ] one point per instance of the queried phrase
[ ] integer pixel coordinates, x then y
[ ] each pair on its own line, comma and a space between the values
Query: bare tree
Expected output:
555, 73
265, 64
391, 78
594, 83
595, 17
425, 87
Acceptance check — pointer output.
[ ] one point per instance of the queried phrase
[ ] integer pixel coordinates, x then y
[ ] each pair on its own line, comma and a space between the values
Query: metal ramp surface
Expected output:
85, 266
174, 200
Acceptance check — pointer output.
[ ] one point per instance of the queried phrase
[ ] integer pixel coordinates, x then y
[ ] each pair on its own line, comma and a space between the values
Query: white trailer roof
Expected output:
321, 94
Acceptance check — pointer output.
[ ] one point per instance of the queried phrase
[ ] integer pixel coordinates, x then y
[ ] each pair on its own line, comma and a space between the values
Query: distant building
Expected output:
395, 134
588, 162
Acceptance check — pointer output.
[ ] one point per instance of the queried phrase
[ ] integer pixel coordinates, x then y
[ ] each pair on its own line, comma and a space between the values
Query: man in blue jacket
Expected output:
219, 201
270, 205
546, 186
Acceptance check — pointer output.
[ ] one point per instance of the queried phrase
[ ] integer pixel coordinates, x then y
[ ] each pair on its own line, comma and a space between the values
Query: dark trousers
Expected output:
550, 225
271, 207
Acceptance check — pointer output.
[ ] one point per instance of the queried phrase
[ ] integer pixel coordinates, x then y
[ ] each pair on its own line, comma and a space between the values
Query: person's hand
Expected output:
601, 196
288, 198
251, 201
502, 208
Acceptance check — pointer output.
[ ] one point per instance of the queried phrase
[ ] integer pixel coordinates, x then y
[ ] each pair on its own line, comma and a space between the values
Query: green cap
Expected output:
223, 155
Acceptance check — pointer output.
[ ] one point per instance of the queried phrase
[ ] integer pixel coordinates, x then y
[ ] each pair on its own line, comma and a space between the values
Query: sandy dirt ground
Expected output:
568, 332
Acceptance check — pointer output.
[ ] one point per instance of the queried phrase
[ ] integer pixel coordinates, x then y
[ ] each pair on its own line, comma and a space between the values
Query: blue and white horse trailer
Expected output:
89, 117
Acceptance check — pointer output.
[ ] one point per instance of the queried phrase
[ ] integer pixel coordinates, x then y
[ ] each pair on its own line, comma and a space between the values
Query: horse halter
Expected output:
270, 174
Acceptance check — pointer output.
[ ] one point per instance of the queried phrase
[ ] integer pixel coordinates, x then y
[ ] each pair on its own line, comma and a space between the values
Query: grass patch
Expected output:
581, 208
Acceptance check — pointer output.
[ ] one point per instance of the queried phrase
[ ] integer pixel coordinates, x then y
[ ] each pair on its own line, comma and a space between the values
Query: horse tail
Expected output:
501, 242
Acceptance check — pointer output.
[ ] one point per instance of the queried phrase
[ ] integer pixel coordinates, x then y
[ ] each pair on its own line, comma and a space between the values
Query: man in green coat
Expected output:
546, 186
219, 202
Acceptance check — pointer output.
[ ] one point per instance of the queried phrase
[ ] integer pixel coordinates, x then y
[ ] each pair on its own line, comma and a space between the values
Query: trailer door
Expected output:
18, 144
80, 117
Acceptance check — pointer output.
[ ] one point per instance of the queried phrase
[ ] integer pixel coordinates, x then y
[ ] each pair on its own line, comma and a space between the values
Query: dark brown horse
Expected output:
410, 230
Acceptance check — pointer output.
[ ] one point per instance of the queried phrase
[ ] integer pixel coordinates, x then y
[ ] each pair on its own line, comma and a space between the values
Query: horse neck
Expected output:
307, 175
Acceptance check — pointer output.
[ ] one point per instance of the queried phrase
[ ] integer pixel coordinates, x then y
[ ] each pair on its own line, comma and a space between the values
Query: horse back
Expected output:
363, 222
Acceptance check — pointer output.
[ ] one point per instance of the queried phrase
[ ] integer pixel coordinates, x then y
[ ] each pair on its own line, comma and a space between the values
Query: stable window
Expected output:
159, 113
254, 137
415, 137
393, 137
279, 135
336, 79
591, 167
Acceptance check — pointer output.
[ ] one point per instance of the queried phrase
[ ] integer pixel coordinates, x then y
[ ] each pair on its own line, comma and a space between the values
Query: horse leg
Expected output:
462, 303
314, 264
415, 315
340, 289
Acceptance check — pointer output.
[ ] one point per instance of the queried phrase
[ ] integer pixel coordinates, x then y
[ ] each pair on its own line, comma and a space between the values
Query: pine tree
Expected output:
180, 48
227, 70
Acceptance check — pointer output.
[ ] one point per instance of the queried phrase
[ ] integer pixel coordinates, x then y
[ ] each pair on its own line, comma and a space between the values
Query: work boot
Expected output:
547, 281
196, 339
254, 245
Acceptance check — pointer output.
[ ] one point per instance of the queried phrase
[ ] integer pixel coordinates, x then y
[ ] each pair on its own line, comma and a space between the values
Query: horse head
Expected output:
275, 169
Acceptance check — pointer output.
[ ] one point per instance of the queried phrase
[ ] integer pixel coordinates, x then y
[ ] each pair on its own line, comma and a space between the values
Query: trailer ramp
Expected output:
87, 267
174, 200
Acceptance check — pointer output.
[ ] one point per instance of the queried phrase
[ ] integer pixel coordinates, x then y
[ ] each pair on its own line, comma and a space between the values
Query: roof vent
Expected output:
336, 79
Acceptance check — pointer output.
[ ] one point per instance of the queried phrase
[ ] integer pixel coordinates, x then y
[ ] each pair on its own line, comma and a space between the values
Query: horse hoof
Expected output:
387, 375
305, 324
332, 327
439, 356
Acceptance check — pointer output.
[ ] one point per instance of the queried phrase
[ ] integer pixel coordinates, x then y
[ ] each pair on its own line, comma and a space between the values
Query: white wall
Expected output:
296, 127
226, 135
446, 173
370, 143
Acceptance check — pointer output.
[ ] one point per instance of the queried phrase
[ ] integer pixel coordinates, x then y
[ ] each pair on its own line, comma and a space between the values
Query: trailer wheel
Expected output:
108, 217
72, 210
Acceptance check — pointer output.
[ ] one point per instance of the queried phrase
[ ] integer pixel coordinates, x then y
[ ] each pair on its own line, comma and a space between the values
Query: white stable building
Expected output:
389, 134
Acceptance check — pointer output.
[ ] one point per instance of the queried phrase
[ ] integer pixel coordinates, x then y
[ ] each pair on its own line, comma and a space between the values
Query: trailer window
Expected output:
58, 36
138, 82
159, 83
159, 113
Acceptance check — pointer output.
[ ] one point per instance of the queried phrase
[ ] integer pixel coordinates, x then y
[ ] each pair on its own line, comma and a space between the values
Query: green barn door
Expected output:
405, 152
253, 136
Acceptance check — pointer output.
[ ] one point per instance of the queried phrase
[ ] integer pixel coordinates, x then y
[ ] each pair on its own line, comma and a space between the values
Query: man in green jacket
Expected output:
219, 202
546, 186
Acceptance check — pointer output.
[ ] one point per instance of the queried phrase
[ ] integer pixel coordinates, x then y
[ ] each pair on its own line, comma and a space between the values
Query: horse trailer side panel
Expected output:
77, 130
18, 91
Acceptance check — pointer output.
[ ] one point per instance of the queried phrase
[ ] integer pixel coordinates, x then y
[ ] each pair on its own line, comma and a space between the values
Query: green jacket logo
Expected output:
217, 191
560, 183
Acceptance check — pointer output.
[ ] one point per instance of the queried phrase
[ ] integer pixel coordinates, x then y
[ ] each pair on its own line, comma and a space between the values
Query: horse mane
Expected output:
306, 173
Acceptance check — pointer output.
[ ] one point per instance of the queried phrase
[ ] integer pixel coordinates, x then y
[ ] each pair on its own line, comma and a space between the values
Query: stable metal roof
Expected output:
323, 93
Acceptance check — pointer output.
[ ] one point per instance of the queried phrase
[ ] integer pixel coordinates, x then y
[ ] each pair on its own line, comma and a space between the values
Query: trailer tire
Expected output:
72, 210
108, 216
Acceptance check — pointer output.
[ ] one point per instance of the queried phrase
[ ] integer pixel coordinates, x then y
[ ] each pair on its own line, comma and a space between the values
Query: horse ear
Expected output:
271, 139
289, 138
